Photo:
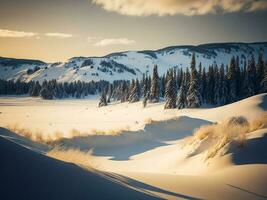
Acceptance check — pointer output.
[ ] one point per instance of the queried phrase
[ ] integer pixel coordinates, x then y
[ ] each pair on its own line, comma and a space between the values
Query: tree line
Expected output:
194, 86
52, 89
189, 88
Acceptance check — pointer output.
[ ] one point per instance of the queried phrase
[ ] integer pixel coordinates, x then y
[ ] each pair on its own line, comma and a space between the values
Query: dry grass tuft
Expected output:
71, 155
231, 129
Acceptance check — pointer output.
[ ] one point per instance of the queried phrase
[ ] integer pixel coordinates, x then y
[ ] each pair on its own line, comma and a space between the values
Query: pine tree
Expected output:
200, 81
109, 93
181, 98
238, 78
154, 91
103, 100
35, 90
204, 85
232, 78
259, 73
264, 80
194, 99
145, 100
170, 94
162, 85
251, 77
134, 96
123, 92
217, 86
223, 87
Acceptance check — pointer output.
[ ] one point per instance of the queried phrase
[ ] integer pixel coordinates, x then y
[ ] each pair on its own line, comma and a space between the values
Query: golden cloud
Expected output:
184, 7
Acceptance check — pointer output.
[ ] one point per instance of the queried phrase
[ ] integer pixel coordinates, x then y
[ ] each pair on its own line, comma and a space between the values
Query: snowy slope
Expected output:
130, 64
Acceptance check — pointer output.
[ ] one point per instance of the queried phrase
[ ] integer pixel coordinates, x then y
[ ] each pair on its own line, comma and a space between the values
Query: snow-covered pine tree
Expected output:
186, 79
144, 88
46, 92
154, 90
103, 100
170, 94
181, 97
123, 91
194, 99
179, 78
204, 85
162, 85
138, 88
200, 82
35, 90
146, 97
109, 93
134, 96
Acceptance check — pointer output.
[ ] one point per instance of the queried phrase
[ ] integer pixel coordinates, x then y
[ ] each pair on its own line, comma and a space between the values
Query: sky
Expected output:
56, 30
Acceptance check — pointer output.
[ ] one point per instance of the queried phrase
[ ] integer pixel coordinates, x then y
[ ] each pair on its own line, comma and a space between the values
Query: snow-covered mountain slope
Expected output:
128, 65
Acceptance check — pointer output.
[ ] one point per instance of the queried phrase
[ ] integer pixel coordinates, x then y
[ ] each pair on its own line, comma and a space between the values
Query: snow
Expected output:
150, 148
141, 62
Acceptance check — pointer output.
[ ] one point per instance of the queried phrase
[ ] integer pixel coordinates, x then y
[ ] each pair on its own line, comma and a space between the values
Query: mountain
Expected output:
128, 65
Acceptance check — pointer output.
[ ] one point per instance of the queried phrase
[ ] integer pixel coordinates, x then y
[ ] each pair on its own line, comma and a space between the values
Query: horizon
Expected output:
130, 50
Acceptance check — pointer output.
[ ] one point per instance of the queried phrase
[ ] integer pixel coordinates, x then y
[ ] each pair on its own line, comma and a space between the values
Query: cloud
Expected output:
91, 39
16, 34
184, 7
114, 41
59, 35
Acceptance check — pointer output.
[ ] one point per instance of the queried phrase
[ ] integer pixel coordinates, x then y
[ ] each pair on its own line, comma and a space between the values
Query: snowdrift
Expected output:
26, 174
164, 158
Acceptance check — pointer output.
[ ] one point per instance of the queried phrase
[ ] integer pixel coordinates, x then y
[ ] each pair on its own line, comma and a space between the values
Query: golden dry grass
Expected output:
71, 155
231, 129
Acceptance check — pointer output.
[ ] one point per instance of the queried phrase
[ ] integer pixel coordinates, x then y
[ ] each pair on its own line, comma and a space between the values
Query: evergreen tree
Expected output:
46, 91
154, 91
223, 87
264, 80
194, 99
181, 98
232, 78
103, 100
170, 94
217, 86
259, 73
251, 77
109, 93
134, 96
35, 90
162, 85
200, 81
204, 85
238, 78
145, 100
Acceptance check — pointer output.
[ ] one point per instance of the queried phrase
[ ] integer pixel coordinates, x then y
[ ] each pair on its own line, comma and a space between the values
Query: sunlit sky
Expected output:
56, 30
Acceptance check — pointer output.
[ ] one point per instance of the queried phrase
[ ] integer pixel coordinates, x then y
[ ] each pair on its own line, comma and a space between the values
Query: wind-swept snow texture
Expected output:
128, 65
